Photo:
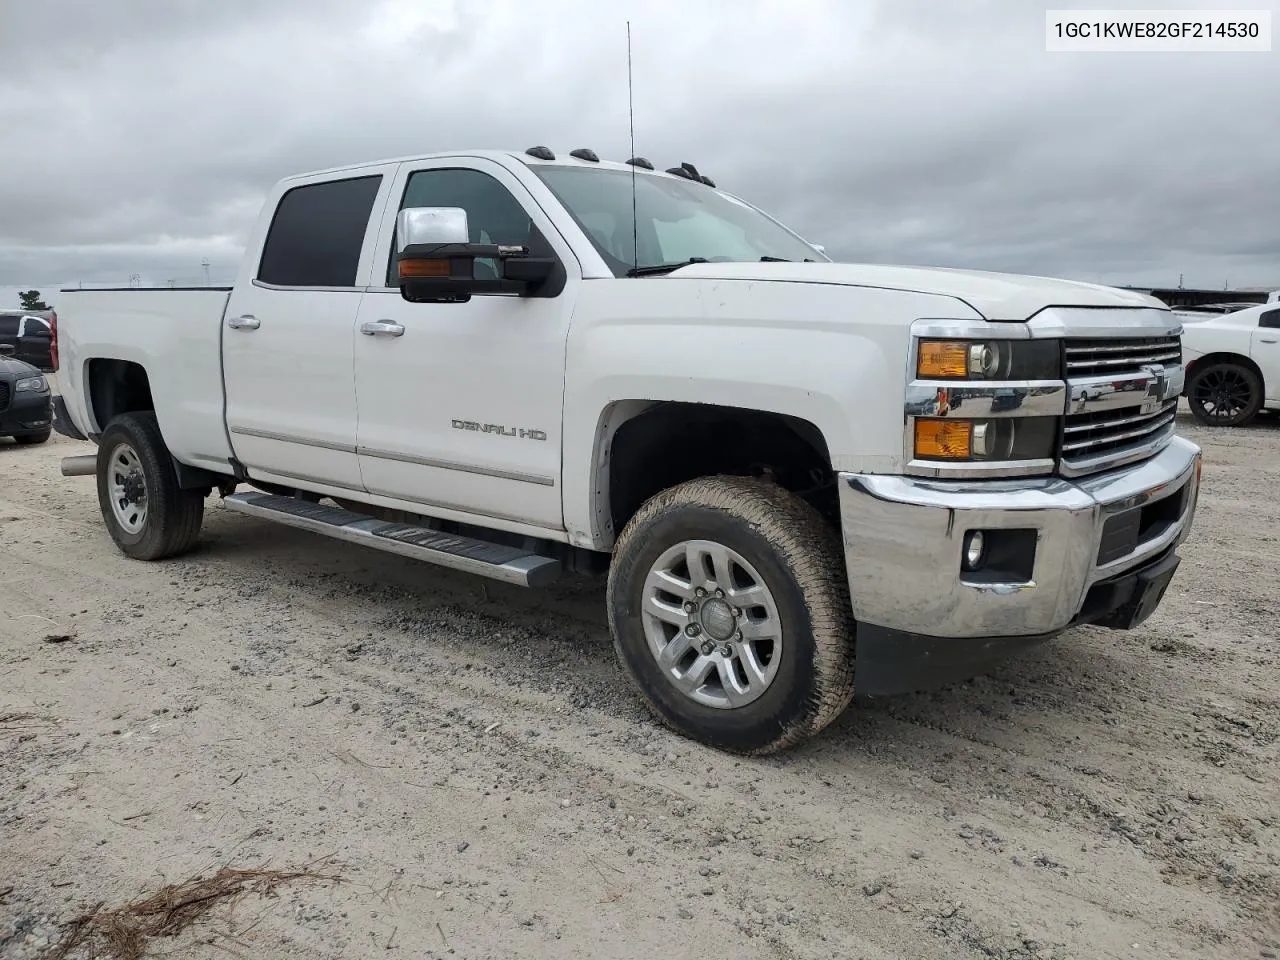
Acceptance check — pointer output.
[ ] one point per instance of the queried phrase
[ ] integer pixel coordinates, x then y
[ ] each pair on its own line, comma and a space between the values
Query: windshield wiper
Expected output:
653, 269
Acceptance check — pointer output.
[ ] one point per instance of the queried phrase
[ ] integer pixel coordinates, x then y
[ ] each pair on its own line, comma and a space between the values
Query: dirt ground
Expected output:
470, 761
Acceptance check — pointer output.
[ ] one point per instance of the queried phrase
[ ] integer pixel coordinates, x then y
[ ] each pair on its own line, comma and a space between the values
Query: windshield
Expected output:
676, 220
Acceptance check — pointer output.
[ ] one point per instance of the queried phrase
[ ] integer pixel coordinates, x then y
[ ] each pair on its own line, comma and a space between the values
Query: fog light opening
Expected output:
974, 547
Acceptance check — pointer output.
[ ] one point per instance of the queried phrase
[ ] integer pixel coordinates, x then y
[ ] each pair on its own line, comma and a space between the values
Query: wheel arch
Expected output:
115, 387
1223, 356
644, 446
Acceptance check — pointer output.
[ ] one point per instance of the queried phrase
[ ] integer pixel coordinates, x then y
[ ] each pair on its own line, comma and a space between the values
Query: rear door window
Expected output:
317, 234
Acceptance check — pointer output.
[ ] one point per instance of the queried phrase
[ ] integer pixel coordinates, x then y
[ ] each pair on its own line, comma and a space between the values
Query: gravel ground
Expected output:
471, 762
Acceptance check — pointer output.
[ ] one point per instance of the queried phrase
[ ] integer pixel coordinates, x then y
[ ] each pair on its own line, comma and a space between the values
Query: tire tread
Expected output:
812, 551
180, 512
1246, 417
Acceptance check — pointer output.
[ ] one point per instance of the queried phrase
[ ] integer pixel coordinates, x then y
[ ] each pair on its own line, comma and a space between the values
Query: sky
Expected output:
139, 136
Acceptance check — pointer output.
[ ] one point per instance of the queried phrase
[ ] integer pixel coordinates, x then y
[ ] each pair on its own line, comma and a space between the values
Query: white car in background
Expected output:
1232, 364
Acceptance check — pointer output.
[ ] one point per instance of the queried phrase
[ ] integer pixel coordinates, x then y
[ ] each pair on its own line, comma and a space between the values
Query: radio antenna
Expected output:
631, 117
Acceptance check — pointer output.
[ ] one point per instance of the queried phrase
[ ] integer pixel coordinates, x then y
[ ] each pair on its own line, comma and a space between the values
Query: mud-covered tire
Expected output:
132, 446
32, 438
1233, 389
797, 556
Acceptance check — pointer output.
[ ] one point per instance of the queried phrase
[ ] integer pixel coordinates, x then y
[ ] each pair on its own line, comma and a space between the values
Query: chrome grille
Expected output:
1086, 358
1093, 441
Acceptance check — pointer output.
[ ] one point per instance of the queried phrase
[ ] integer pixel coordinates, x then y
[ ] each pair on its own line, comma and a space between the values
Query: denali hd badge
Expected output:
522, 432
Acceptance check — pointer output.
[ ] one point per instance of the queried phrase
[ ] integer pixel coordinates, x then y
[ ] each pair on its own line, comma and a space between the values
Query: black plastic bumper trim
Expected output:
62, 421
890, 662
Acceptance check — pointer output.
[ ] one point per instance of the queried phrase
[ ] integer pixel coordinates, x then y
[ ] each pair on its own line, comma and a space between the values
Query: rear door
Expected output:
1266, 352
288, 329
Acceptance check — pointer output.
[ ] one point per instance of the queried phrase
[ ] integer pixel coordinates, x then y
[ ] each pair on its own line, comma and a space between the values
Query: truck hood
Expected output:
997, 296
16, 368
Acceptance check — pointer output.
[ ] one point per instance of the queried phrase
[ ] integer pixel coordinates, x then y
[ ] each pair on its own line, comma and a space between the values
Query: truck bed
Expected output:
176, 335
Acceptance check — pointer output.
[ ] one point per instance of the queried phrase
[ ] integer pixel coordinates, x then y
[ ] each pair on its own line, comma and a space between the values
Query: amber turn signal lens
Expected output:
942, 358
944, 439
424, 268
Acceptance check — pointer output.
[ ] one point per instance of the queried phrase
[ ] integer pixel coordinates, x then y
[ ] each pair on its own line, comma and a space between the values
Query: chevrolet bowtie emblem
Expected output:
1156, 389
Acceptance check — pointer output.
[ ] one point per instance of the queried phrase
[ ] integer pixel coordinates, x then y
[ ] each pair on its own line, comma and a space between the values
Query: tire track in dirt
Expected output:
1050, 795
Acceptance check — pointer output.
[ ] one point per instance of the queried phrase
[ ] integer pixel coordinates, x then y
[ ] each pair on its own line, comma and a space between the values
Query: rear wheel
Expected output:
729, 607
1224, 394
147, 513
30, 438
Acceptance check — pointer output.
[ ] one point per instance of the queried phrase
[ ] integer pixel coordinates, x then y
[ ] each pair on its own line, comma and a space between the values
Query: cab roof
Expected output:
527, 157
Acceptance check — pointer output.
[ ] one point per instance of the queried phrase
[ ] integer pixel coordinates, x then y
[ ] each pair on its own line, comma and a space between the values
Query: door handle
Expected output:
1261, 340
382, 328
246, 322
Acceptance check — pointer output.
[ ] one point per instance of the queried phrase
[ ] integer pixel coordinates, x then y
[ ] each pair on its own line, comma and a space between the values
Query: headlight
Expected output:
988, 360
1002, 438
31, 385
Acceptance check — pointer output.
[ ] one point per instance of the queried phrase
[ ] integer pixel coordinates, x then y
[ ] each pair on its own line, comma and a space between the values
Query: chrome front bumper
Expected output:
903, 539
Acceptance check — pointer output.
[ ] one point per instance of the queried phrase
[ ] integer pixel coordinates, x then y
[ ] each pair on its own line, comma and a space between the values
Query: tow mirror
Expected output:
436, 262
418, 225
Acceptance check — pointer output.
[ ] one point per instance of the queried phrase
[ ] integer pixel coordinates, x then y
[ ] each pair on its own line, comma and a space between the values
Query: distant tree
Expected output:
30, 300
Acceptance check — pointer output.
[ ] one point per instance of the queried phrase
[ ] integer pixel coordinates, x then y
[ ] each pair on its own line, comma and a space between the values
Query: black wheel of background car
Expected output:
1224, 395
729, 607
148, 515
34, 437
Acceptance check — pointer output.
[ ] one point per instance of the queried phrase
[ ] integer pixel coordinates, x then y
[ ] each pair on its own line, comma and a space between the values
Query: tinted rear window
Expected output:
9, 326
317, 234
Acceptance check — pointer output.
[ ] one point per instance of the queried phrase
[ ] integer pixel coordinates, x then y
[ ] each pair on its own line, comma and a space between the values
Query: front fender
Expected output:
834, 356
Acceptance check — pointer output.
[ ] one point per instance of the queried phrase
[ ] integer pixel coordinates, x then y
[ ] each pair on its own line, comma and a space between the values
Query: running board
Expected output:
494, 560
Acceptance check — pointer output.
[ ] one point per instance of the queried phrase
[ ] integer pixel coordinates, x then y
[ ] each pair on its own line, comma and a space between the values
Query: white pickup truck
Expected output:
805, 479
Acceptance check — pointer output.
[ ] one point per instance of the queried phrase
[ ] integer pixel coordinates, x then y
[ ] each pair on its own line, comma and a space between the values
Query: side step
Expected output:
494, 560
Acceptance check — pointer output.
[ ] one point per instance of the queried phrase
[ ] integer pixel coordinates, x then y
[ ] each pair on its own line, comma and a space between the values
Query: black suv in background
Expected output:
30, 333
26, 404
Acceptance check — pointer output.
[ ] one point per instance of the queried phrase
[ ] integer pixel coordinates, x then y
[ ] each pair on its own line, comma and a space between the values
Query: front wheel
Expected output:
147, 513
729, 607
1224, 394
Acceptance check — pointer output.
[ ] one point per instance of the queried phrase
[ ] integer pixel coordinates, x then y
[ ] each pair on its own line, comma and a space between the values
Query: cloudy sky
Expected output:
138, 136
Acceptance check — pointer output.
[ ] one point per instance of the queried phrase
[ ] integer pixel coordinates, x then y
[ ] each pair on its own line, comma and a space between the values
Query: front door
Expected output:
1266, 352
461, 403
288, 330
